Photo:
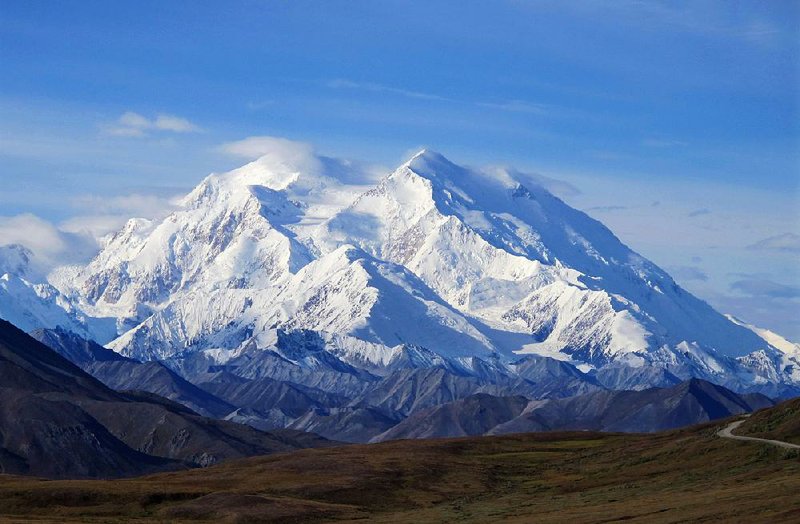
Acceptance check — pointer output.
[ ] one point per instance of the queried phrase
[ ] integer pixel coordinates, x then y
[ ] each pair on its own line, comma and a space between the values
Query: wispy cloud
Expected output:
762, 287
560, 188
699, 212
608, 155
254, 147
510, 106
786, 242
662, 143
259, 105
99, 215
131, 124
519, 106
340, 83
175, 124
699, 18
284, 155
604, 209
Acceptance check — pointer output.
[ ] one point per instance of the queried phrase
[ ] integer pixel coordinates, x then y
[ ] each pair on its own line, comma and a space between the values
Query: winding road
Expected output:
727, 432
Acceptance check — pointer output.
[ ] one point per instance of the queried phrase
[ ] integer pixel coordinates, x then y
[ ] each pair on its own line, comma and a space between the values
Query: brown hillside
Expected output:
688, 475
779, 423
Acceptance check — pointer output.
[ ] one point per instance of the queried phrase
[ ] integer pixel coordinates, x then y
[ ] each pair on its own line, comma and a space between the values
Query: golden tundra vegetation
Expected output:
779, 423
678, 476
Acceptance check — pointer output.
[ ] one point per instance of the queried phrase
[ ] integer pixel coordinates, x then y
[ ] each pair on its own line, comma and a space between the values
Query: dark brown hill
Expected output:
57, 421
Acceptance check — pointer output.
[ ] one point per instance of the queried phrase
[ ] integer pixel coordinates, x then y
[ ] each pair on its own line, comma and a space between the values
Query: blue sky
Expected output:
676, 123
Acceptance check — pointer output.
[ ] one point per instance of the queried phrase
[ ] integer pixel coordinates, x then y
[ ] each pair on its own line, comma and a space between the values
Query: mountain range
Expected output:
532, 394
58, 421
296, 292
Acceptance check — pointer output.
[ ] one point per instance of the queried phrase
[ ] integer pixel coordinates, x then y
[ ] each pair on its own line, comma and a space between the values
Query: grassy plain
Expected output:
678, 476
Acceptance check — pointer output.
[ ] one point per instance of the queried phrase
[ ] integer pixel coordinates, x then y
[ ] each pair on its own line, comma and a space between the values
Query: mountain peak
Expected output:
429, 163
425, 153
287, 170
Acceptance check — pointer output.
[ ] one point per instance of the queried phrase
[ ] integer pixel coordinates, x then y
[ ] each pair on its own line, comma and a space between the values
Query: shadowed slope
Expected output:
691, 402
58, 421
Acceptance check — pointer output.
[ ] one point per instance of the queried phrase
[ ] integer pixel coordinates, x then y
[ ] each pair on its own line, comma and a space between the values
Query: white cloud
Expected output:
50, 245
254, 147
140, 205
108, 214
286, 155
97, 226
279, 152
132, 124
175, 124
135, 120
77, 239
125, 131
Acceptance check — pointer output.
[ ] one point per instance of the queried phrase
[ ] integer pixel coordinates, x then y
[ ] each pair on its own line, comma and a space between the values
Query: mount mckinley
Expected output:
301, 294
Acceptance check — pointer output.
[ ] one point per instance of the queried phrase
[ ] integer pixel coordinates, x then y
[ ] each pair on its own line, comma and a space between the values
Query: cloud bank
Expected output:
49, 245
77, 239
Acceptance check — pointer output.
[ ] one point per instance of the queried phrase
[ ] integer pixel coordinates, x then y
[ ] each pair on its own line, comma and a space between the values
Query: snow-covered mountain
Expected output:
524, 262
454, 261
29, 303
